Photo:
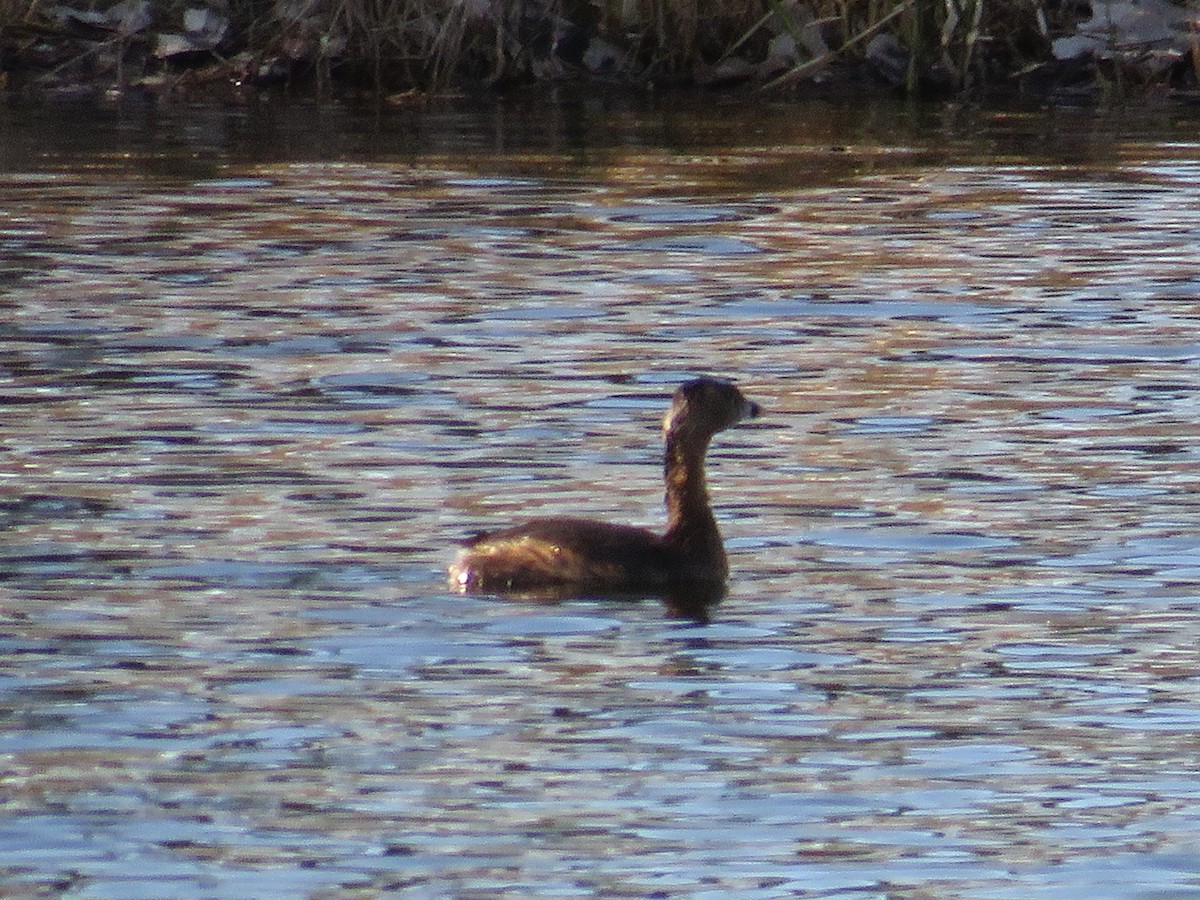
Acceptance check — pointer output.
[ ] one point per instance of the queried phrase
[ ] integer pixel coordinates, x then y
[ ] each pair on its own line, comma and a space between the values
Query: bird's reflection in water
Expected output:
690, 601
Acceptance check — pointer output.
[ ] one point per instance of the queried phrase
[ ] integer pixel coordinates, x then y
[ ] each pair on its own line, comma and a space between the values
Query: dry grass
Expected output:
431, 43
14, 12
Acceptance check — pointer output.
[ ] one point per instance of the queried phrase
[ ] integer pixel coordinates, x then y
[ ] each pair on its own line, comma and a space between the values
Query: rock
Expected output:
126, 18
204, 29
726, 73
1130, 26
603, 58
797, 42
888, 58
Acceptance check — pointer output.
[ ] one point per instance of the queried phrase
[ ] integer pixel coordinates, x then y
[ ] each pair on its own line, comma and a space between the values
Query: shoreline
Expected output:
212, 53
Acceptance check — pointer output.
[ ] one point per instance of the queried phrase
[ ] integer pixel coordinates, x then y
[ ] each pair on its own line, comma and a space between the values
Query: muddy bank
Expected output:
414, 48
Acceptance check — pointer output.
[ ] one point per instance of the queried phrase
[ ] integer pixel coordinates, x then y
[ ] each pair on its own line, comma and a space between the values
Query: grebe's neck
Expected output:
691, 525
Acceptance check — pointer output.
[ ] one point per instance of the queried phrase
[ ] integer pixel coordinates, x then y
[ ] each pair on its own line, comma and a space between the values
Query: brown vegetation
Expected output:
945, 46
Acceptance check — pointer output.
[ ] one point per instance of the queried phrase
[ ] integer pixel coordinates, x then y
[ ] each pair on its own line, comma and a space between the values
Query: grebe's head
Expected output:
707, 405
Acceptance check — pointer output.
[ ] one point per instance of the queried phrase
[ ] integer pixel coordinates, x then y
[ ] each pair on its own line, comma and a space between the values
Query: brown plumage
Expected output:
580, 554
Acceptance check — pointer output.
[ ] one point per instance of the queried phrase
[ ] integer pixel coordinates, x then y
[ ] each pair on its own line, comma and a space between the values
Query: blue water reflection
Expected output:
254, 393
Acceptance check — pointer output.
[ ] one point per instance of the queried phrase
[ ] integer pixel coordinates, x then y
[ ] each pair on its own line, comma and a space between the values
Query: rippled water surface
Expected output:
260, 371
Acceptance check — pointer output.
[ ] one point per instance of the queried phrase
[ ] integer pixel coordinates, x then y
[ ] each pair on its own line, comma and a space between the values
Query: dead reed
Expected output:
435, 44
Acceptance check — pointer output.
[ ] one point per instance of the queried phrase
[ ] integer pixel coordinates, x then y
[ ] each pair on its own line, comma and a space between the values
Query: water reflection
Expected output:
251, 405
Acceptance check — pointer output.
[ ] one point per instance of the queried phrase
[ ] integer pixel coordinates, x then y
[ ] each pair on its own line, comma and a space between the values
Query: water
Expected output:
259, 372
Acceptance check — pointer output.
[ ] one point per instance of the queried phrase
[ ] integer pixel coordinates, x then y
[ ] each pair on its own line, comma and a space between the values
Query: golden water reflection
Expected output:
248, 413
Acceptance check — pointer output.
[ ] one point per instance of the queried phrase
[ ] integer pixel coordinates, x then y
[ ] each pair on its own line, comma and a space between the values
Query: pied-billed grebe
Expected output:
569, 553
